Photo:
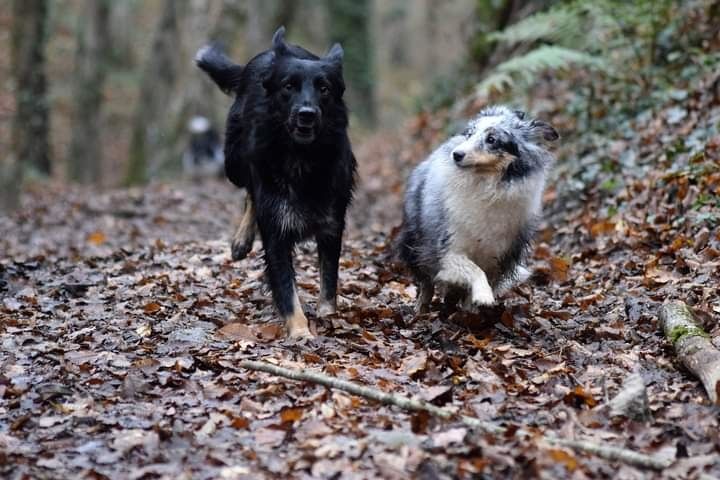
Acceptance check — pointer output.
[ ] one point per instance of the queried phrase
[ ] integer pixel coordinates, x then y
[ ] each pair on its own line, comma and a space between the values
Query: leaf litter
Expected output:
119, 334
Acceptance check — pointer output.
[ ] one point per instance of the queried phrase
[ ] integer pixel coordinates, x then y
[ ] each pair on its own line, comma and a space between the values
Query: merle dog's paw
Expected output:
480, 296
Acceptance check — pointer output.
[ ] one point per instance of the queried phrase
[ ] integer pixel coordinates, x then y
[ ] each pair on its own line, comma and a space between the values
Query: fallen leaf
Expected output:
579, 396
96, 238
564, 458
236, 331
152, 307
290, 415
559, 268
448, 437
414, 364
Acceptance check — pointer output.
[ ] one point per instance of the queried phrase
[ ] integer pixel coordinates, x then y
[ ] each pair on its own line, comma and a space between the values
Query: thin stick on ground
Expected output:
604, 451
692, 345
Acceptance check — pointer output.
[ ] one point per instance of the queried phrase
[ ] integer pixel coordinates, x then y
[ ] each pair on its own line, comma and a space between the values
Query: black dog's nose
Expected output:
307, 116
458, 156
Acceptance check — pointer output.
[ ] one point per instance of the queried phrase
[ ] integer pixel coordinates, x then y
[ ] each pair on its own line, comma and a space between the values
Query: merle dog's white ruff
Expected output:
468, 224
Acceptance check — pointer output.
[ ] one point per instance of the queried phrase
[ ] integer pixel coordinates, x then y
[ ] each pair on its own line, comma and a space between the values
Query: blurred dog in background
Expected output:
203, 157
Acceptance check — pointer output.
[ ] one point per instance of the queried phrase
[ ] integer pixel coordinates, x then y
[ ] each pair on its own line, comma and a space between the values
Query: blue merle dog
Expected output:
471, 208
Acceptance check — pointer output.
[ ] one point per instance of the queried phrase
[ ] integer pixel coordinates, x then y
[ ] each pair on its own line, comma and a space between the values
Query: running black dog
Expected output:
286, 143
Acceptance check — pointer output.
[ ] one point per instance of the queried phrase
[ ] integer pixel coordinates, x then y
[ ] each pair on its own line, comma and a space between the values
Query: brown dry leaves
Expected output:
120, 332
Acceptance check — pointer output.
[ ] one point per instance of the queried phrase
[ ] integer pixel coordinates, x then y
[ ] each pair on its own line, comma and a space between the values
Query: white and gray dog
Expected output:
472, 207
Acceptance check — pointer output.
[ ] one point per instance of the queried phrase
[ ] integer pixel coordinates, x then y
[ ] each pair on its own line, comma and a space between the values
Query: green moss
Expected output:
682, 331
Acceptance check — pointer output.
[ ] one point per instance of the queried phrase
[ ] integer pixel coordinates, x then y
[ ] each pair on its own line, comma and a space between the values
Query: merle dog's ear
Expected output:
540, 130
278, 42
335, 55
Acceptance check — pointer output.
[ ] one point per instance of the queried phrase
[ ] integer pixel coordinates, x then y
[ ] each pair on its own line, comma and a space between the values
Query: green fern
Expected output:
575, 34
578, 25
525, 68
554, 25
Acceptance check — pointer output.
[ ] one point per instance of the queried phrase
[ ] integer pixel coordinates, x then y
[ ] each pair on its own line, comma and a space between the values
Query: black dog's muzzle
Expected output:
305, 124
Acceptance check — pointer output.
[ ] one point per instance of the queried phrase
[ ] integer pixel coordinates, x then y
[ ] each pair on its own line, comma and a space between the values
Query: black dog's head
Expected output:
305, 90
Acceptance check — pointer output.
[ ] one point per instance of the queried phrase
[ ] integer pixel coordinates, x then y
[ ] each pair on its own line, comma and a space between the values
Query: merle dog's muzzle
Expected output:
305, 124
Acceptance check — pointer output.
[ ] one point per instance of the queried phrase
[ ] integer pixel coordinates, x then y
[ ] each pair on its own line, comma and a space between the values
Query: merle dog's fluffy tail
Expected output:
223, 71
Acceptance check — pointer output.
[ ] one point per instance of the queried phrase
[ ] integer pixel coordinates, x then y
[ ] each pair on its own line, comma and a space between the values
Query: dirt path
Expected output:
122, 318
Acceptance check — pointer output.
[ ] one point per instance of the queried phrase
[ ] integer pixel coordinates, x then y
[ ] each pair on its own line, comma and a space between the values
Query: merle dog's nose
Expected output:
458, 156
307, 116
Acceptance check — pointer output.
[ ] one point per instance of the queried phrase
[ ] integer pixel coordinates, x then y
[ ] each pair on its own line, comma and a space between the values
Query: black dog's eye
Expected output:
324, 90
490, 139
288, 87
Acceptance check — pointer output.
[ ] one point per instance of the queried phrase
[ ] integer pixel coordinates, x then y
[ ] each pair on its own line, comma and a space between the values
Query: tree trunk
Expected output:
31, 124
122, 28
227, 23
284, 14
85, 157
349, 24
161, 73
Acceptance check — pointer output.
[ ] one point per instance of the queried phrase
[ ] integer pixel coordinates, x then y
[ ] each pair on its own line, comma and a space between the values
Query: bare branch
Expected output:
604, 451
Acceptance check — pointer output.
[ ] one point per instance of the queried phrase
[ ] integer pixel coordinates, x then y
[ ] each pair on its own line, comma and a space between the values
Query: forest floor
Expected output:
123, 320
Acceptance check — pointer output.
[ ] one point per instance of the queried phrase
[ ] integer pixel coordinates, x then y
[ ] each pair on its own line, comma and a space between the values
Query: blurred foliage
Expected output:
604, 35
349, 24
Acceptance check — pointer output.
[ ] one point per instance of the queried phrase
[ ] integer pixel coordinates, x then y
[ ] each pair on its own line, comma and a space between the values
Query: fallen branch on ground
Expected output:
692, 345
604, 451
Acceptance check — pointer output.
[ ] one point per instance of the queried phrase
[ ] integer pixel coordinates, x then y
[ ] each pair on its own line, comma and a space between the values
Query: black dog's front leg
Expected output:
329, 253
281, 275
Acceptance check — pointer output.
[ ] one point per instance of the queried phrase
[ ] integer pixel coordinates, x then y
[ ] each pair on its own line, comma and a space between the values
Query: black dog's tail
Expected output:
220, 68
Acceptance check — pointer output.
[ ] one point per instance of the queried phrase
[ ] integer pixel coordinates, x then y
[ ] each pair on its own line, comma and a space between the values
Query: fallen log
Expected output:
692, 345
605, 451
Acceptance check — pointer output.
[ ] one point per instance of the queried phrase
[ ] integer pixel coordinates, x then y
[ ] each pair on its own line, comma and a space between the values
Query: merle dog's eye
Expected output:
490, 139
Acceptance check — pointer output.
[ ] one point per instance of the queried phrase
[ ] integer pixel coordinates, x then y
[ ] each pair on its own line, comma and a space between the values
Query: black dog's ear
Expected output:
540, 130
278, 42
335, 55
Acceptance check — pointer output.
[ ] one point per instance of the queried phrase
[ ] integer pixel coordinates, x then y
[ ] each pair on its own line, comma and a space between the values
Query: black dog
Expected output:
287, 144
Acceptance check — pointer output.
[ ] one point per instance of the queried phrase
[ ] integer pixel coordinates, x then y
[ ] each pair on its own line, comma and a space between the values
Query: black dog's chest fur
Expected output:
306, 192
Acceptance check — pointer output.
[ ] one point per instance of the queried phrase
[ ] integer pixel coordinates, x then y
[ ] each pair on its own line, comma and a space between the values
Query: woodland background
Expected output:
124, 322
113, 84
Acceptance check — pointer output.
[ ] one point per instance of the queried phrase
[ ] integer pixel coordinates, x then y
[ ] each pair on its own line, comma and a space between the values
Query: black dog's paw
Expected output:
240, 249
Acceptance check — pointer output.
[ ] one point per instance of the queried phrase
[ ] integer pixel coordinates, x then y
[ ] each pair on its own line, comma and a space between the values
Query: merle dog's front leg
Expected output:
281, 276
329, 246
458, 270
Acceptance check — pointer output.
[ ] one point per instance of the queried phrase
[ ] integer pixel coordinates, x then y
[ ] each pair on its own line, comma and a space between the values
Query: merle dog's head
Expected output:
305, 90
502, 140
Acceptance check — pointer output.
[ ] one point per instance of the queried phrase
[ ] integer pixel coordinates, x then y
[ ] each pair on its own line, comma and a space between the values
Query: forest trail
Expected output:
123, 318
